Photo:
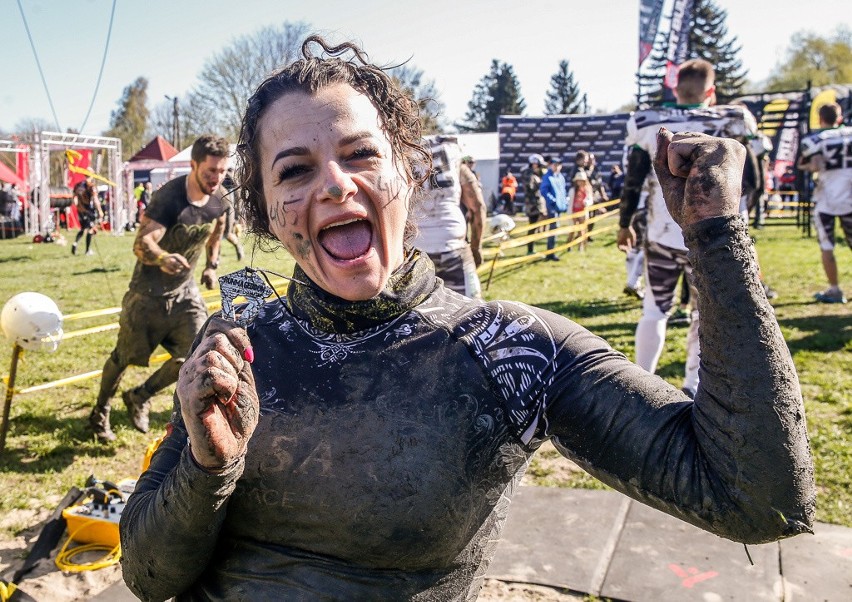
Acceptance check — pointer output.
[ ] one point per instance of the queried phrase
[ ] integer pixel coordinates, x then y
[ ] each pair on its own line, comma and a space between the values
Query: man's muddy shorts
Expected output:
664, 266
639, 223
171, 321
458, 271
824, 224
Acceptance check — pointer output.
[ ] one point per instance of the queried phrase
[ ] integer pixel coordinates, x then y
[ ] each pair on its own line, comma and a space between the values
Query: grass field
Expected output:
49, 449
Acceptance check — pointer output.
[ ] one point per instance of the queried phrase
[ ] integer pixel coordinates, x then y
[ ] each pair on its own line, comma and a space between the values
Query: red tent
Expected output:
7, 175
157, 150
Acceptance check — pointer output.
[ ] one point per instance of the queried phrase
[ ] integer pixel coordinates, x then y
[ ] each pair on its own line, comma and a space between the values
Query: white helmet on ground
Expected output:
33, 321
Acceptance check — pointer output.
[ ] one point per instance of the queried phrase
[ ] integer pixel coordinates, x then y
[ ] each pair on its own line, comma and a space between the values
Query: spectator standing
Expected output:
580, 197
556, 199
535, 207
615, 182
599, 193
143, 201
508, 189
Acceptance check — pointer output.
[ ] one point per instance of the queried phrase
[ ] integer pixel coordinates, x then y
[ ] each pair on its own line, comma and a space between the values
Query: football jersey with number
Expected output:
440, 221
833, 193
725, 121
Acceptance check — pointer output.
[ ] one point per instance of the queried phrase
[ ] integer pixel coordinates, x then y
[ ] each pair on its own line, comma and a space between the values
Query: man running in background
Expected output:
665, 251
829, 153
163, 305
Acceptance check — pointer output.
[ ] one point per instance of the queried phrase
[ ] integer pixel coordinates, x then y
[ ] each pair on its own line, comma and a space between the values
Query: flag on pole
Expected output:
678, 46
650, 12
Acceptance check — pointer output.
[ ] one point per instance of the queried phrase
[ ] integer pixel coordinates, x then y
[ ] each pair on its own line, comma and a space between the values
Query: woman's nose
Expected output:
338, 185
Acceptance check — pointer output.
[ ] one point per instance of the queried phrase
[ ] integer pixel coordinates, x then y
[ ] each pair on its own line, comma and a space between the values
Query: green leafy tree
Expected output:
563, 97
217, 103
129, 122
708, 39
816, 60
425, 94
497, 93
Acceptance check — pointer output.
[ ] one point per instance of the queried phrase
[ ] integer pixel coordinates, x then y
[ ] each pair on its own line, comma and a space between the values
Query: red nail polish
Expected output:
248, 354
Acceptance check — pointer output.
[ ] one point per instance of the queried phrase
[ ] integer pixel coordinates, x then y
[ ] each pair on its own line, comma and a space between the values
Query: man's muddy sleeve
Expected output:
735, 461
171, 524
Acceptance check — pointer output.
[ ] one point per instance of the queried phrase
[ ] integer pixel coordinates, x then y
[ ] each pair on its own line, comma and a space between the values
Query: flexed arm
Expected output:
735, 461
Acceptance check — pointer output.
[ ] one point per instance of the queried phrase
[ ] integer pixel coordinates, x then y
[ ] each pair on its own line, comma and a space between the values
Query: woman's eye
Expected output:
291, 171
364, 152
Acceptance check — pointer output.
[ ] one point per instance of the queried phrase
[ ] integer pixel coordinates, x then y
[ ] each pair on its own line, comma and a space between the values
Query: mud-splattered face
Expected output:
334, 197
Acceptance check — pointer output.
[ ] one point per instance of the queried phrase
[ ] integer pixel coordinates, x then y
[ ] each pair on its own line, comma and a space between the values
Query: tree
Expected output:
425, 94
564, 97
216, 105
497, 93
28, 127
129, 122
815, 60
709, 40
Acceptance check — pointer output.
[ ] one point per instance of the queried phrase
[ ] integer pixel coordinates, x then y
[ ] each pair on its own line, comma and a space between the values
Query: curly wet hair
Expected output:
345, 63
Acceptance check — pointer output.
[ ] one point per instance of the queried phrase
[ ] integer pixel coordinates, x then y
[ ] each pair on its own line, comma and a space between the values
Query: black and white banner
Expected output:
678, 46
650, 12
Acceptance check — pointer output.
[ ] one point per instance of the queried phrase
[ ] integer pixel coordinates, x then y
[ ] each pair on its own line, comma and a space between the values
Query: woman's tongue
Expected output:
347, 241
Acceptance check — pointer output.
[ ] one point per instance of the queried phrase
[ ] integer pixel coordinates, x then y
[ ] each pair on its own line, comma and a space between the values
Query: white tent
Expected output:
485, 149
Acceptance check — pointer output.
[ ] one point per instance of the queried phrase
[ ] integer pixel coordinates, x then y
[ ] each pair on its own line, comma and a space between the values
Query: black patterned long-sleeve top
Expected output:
394, 431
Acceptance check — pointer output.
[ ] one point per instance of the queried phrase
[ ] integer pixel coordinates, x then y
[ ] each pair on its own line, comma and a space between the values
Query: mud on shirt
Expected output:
187, 229
724, 121
393, 431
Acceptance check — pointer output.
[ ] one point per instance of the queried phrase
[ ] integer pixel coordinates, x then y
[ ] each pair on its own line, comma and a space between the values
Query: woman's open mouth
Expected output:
347, 240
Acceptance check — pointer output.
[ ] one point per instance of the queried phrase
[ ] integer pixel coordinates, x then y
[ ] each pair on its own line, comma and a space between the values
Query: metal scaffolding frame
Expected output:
11, 146
39, 215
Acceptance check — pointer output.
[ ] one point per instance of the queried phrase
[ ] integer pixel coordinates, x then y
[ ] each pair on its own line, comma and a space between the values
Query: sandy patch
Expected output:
46, 583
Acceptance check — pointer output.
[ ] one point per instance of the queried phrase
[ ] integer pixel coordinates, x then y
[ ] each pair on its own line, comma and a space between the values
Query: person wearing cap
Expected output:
534, 205
556, 200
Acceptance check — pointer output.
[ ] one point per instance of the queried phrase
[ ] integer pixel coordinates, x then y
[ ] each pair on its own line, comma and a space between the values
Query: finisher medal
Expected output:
247, 283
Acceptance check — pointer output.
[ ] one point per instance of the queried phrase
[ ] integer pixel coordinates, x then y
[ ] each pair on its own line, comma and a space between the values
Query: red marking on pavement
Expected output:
691, 576
847, 552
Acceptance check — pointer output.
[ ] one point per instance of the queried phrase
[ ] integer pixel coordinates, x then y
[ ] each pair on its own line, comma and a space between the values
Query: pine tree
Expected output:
709, 40
129, 121
497, 93
563, 97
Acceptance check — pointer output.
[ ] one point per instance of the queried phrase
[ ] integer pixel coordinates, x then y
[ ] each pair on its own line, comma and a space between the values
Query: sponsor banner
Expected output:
650, 12
781, 117
678, 46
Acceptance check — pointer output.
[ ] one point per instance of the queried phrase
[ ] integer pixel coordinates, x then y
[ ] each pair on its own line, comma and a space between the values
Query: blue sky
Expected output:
168, 41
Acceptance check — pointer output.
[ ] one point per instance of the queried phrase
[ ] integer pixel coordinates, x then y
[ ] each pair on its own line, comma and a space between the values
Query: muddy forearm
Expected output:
749, 411
171, 524
736, 461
